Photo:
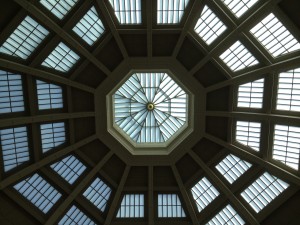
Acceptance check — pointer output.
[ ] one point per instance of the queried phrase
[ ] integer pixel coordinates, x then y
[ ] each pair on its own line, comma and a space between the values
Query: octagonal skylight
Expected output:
150, 107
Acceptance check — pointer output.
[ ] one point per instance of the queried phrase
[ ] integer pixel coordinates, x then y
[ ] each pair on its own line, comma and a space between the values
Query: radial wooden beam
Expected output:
43, 162
83, 183
112, 26
116, 199
41, 118
272, 168
62, 33
14, 66
234, 200
185, 196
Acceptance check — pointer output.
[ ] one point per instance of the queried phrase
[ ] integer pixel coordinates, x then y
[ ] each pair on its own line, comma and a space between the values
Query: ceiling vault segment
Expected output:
43, 162
233, 199
78, 189
278, 171
62, 33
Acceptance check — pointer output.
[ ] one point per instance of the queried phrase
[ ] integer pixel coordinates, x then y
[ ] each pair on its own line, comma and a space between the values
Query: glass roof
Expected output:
150, 107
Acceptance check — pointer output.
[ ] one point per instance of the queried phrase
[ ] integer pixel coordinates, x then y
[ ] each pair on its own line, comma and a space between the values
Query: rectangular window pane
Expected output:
170, 12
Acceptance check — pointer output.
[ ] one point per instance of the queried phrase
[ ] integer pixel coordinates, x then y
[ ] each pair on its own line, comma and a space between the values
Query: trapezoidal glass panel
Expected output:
248, 134
25, 39
286, 145
170, 11
209, 26
59, 8
132, 206
50, 96
150, 107
39, 192
239, 7
52, 135
14, 146
90, 28
263, 191
127, 11
288, 93
169, 206
11, 92
250, 95
75, 216
274, 36
227, 216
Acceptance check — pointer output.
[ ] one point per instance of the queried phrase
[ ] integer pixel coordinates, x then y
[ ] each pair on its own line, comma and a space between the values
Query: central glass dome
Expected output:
150, 107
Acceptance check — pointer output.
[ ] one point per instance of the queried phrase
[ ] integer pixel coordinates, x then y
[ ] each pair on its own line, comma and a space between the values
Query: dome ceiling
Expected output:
62, 64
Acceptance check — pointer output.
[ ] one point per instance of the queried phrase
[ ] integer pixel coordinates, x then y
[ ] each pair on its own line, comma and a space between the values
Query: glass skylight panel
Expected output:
264, 190
11, 93
286, 147
250, 95
62, 58
232, 167
169, 206
75, 216
69, 168
288, 96
39, 192
209, 26
248, 133
204, 193
271, 33
25, 39
227, 216
132, 206
237, 57
127, 11
49, 95
52, 135
170, 11
98, 194
90, 27
14, 146
239, 7
150, 107
59, 8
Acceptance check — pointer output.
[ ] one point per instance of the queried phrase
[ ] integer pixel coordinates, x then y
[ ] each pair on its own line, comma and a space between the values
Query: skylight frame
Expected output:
59, 9
25, 39
237, 57
98, 193
90, 27
75, 216
12, 93
132, 206
288, 91
227, 215
169, 206
168, 14
15, 147
286, 145
69, 168
265, 189
53, 135
232, 168
264, 31
35, 189
203, 28
204, 193
125, 15
62, 58
248, 133
49, 95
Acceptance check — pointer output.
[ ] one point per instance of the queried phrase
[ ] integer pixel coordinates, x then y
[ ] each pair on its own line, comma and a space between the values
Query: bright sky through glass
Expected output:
167, 112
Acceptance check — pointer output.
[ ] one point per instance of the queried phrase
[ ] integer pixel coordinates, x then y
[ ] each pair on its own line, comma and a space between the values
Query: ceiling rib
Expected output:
185, 196
41, 118
233, 199
190, 21
62, 33
277, 171
116, 199
84, 182
13, 66
43, 162
112, 27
